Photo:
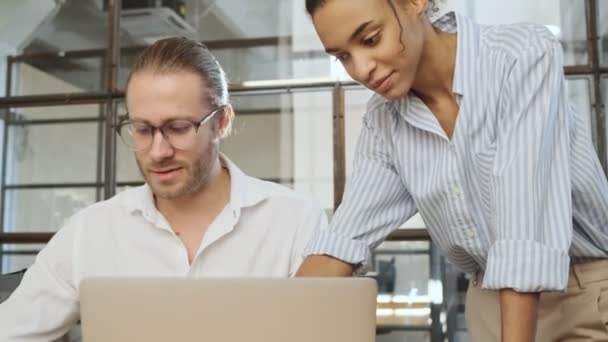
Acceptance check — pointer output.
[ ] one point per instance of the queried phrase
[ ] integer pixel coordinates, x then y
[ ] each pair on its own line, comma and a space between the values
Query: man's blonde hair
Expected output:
183, 54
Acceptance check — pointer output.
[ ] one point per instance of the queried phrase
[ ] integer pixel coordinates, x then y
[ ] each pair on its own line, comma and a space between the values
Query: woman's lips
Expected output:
383, 85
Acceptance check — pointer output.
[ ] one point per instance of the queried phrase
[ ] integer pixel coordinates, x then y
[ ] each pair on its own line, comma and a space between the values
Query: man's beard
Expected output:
197, 177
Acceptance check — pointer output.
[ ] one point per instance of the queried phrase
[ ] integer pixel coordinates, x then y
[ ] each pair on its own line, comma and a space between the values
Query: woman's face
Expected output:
366, 37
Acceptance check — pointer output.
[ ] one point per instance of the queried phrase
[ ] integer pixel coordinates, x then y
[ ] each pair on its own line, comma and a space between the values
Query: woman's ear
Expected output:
418, 7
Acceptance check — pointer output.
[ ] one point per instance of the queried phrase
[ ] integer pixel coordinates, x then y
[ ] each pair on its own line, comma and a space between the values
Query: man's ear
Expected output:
225, 121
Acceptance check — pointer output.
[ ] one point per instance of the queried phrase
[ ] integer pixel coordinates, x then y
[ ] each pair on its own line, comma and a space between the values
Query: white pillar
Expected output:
312, 112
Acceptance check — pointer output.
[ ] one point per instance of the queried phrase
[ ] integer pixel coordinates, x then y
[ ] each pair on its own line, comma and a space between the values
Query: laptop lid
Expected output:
222, 310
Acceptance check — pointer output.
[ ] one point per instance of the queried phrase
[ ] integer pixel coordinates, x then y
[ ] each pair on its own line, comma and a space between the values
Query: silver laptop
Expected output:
222, 310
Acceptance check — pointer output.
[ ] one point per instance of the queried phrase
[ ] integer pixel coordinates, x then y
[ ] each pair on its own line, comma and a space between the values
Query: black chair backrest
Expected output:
8, 283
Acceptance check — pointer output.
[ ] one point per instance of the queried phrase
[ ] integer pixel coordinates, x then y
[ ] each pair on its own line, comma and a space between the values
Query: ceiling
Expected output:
81, 25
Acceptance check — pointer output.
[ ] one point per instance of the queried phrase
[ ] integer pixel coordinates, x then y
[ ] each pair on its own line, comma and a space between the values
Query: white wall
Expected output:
494, 12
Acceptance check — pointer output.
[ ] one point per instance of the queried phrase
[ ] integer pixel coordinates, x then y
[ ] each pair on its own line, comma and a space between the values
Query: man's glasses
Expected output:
181, 134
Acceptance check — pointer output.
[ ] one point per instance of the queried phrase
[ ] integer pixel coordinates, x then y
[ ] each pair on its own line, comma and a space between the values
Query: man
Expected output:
198, 215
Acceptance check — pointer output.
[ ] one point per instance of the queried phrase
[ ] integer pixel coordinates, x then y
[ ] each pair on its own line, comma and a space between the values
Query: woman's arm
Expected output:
519, 314
374, 204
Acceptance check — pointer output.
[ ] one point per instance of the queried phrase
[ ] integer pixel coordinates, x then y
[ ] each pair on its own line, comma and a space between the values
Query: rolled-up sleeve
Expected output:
531, 184
375, 200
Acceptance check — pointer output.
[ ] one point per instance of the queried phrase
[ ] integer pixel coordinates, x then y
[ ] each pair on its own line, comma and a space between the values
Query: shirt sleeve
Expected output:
531, 184
45, 305
375, 200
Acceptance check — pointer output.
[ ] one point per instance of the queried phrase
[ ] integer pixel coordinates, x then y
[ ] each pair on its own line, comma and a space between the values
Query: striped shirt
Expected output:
517, 192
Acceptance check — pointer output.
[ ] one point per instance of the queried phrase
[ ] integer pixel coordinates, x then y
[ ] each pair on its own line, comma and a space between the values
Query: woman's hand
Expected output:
324, 266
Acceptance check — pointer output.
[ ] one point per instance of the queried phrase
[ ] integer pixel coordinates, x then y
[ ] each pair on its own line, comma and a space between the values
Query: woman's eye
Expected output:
371, 41
341, 57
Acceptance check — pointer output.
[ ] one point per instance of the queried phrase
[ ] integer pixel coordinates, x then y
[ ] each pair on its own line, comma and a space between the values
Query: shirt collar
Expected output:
467, 48
245, 191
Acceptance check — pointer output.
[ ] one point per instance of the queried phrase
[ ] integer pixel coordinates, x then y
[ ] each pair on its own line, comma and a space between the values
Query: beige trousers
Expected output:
576, 315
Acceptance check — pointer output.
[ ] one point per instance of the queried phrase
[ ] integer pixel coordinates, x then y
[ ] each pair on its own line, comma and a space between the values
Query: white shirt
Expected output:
262, 232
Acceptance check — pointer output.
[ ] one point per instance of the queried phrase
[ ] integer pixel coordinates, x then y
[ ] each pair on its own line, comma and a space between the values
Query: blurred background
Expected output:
63, 66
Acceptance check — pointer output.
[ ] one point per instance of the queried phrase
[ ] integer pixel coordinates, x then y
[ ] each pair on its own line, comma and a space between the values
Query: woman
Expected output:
471, 126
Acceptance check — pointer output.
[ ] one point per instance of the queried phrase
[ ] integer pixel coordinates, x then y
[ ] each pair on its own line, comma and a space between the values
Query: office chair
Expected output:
9, 282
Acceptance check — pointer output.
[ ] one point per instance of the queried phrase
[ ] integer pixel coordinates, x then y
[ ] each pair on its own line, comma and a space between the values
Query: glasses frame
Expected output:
196, 124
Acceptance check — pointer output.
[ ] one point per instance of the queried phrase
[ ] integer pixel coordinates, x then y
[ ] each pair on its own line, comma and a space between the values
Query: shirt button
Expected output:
470, 233
456, 190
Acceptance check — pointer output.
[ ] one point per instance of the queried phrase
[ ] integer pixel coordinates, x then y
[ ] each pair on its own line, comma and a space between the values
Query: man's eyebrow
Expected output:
182, 117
